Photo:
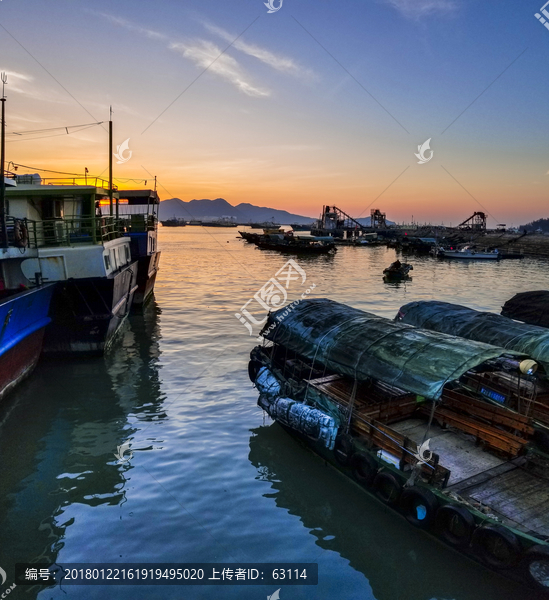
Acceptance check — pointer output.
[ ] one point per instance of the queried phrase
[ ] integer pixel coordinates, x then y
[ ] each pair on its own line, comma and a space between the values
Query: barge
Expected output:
389, 405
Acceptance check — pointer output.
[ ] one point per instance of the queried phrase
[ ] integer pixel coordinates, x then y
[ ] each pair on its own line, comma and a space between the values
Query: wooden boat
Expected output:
397, 271
390, 405
468, 253
296, 246
249, 237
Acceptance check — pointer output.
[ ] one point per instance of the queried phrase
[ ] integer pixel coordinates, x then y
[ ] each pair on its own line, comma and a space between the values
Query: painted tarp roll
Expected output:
471, 324
305, 419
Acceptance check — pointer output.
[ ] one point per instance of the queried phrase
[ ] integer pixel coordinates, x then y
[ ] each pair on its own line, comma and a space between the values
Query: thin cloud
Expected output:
280, 63
415, 9
150, 33
203, 53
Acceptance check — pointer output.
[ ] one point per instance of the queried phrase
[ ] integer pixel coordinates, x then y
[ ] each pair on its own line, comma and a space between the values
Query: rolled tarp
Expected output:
486, 327
529, 307
340, 339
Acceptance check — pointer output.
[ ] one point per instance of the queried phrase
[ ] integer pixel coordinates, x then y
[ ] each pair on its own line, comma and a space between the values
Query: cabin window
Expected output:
107, 262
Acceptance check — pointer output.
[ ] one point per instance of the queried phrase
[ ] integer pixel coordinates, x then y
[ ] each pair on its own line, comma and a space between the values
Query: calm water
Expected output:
211, 478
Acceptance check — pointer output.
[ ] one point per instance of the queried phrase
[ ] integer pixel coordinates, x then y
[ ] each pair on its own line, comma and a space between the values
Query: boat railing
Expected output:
77, 230
78, 180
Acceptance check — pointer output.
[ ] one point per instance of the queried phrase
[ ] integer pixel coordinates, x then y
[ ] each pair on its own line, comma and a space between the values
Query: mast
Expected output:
110, 162
3, 228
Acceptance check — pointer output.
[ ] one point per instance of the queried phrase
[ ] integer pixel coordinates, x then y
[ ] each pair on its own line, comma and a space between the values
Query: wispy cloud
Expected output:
207, 54
150, 33
415, 9
280, 63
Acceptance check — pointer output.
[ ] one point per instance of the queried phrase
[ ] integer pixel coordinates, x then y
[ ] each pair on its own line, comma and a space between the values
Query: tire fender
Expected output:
419, 506
364, 468
387, 488
497, 546
455, 524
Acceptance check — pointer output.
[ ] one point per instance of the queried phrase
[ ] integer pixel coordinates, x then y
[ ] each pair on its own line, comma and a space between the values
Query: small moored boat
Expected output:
468, 253
397, 270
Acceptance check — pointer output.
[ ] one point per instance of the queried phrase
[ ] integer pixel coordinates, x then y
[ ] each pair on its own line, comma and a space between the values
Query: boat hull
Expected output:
469, 255
147, 268
87, 313
23, 318
296, 249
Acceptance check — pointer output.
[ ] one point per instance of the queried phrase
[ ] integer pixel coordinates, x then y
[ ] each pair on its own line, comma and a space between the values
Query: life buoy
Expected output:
343, 449
535, 567
387, 488
497, 546
455, 524
419, 506
364, 468
20, 234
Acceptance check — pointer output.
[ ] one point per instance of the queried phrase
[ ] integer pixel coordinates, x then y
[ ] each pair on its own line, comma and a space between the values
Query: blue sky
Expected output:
285, 117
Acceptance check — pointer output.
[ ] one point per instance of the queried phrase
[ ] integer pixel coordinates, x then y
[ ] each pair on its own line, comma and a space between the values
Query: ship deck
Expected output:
511, 490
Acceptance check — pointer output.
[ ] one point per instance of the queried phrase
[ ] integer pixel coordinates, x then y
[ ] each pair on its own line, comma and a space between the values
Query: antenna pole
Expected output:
3, 227
110, 161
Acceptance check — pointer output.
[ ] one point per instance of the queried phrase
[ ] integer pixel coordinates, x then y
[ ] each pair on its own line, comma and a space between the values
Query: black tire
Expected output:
534, 567
343, 449
387, 488
497, 546
364, 468
455, 524
253, 369
419, 506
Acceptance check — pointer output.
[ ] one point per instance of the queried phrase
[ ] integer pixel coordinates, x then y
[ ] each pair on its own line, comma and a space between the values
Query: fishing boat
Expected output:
86, 252
249, 237
468, 253
388, 404
490, 328
139, 221
296, 246
529, 307
397, 271
174, 222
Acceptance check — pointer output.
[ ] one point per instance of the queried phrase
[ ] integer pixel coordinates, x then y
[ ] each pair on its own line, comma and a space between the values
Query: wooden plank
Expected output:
495, 414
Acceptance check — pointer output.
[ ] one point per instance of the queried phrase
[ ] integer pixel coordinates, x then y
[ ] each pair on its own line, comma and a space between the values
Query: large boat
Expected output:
297, 246
24, 304
468, 253
139, 221
85, 252
390, 405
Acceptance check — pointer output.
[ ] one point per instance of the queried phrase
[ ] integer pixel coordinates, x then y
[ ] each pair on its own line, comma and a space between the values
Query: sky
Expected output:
318, 102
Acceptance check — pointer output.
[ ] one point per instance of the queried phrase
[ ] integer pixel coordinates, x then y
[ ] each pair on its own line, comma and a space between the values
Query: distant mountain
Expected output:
209, 210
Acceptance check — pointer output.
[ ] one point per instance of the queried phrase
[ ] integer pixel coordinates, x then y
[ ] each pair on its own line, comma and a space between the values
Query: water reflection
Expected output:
397, 560
59, 442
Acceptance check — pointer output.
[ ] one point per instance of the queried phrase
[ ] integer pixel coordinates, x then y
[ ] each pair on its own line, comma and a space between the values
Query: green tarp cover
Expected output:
530, 307
480, 326
360, 345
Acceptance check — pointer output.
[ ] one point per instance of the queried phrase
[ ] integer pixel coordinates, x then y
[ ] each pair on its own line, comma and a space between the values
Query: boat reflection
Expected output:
60, 440
398, 560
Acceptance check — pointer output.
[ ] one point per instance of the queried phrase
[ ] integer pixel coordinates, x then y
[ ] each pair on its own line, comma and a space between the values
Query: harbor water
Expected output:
211, 478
